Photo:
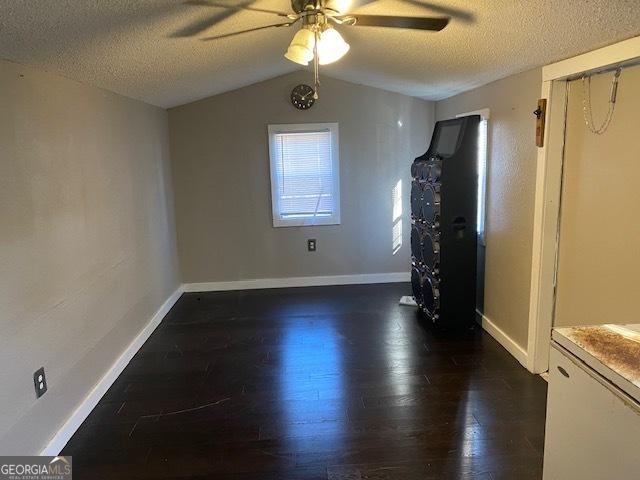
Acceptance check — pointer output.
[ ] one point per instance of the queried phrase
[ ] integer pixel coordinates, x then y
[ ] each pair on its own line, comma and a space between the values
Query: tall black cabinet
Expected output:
443, 224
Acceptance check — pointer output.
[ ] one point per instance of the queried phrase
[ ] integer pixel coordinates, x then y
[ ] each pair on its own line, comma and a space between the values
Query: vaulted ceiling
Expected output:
130, 46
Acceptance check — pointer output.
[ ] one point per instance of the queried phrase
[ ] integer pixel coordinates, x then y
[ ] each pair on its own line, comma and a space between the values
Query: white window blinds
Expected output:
304, 175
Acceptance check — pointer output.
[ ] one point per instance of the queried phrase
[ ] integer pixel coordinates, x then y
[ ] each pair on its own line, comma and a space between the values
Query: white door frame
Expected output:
548, 190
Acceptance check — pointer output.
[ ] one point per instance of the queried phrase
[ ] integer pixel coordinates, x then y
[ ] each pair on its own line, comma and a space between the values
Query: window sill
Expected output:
306, 222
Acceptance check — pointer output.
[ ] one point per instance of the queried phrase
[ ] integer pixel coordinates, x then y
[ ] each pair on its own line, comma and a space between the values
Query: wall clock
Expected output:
302, 97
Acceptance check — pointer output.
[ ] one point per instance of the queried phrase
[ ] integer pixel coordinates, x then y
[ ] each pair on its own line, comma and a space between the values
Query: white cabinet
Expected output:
593, 427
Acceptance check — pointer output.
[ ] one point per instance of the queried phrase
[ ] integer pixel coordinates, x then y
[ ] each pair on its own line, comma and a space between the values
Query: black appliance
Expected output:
443, 224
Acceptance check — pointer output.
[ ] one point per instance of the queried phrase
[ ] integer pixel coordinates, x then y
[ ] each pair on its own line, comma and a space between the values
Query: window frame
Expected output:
485, 114
275, 129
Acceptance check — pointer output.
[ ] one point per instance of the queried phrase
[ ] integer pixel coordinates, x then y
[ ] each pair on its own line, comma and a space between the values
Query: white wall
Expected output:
87, 241
220, 160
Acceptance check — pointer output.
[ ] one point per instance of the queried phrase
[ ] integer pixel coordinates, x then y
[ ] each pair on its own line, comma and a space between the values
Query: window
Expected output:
483, 132
305, 185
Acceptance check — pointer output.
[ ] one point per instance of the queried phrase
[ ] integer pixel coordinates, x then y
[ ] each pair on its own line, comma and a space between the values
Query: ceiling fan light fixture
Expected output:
301, 47
338, 5
331, 46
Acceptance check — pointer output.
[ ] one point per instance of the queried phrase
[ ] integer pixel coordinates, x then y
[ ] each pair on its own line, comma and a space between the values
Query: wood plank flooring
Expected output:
332, 383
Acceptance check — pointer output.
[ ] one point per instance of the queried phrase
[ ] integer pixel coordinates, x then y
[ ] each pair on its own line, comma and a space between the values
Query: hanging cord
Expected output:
315, 211
587, 111
316, 74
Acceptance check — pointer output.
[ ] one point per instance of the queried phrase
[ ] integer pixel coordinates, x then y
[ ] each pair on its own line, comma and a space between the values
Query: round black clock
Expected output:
302, 97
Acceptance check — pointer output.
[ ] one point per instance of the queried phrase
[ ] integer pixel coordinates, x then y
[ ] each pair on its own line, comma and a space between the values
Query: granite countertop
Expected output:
611, 350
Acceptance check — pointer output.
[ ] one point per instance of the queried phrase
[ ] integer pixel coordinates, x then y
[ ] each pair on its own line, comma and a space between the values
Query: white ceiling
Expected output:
125, 45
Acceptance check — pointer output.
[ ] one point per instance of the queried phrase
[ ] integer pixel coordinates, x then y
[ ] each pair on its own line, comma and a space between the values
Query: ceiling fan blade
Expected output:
226, 35
204, 24
415, 23
208, 3
448, 11
201, 25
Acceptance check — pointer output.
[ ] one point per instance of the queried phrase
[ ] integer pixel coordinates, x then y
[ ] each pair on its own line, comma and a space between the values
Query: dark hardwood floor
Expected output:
336, 383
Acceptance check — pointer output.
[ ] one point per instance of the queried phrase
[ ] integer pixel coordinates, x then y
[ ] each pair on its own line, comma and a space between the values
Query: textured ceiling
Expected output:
126, 46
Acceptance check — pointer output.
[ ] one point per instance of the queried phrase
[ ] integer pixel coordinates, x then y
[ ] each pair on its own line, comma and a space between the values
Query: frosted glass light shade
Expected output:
331, 47
301, 47
339, 5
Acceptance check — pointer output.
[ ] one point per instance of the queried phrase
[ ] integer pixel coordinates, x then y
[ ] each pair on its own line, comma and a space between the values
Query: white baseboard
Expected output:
503, 339
62, 436
298, 282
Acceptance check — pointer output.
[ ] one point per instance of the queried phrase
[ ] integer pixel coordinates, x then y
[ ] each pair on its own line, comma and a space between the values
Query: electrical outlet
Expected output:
40, 382
311, 244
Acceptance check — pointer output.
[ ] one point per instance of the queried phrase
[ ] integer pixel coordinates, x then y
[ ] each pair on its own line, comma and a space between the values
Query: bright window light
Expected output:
482, 177
320, 335
483, 147
305, 186
397, 236
396, 199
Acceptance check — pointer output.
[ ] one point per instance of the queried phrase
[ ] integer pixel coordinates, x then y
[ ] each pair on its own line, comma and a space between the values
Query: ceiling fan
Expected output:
317, 40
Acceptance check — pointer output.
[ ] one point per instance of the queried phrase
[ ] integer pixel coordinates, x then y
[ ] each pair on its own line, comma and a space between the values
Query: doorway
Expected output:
556, 80
599, 234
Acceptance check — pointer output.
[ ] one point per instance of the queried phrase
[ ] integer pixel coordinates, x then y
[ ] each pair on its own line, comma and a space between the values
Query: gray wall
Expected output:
87, 235
599, 256
510, 194
219, 154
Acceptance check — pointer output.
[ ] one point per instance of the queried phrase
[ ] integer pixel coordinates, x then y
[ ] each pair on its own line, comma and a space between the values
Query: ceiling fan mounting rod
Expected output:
314, 19
300, 6
312, 6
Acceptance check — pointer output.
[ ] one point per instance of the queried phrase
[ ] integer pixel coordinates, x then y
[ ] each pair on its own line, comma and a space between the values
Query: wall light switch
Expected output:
311, 245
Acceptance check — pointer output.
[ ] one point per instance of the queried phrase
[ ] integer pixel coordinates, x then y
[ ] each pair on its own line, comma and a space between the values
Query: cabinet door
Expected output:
592, 431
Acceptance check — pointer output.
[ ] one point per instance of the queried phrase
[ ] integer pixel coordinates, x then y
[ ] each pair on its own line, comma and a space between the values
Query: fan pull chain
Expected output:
587, 111
316, 74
